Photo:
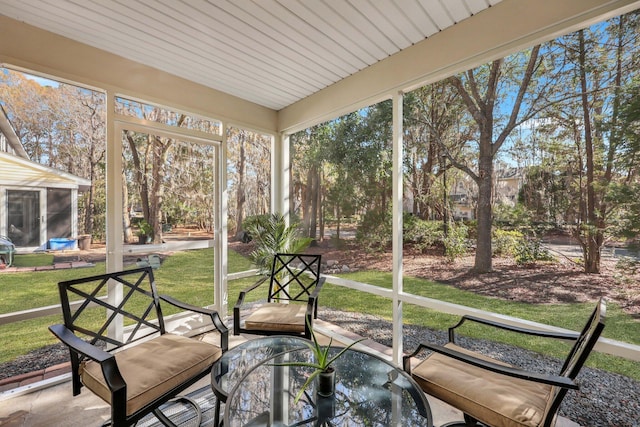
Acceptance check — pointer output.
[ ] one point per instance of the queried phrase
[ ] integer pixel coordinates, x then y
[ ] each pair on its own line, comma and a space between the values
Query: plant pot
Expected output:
84, 242
327, 382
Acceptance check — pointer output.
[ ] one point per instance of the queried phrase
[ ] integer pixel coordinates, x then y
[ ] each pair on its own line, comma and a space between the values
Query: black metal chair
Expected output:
492, 393
292, 298
136, 367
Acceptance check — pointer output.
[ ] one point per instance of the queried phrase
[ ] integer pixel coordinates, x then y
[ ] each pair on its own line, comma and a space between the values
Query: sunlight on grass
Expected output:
188, 276
619, 326
13, 337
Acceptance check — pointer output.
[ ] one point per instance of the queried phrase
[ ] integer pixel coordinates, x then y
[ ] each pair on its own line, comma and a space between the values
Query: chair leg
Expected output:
168, 423
216, 417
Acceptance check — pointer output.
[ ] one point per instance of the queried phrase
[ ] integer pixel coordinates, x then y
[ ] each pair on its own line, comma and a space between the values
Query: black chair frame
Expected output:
287, 284
144, 326
563, 382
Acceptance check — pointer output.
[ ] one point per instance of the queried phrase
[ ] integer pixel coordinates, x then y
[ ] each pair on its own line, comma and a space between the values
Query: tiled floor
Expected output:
55, 405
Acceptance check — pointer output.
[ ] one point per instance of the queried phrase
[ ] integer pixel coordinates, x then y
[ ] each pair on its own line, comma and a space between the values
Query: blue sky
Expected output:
42, 81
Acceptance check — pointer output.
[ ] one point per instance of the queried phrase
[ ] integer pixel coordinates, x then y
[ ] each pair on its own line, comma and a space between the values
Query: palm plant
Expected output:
271, 236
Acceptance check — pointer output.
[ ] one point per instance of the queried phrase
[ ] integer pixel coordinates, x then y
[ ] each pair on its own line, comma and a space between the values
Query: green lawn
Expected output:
619, 326
32, 260
188, 276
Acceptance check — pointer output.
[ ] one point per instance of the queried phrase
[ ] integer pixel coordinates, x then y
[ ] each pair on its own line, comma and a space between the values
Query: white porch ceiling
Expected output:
270, 52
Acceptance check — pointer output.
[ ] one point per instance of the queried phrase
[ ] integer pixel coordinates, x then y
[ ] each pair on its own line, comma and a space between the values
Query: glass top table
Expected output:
236, 362
369, 391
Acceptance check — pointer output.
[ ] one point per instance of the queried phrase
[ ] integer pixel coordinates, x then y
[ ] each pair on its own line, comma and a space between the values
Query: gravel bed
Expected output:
604, 399
41, 358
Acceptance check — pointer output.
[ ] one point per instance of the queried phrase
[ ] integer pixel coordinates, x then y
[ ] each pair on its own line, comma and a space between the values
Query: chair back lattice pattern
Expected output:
293, 277
92, 305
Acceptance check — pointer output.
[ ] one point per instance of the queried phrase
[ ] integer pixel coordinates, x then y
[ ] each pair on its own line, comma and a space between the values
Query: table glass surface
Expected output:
369, 391
236, 362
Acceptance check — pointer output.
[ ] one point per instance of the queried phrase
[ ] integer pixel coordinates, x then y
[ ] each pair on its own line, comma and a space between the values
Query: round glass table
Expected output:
236, 362
369, 391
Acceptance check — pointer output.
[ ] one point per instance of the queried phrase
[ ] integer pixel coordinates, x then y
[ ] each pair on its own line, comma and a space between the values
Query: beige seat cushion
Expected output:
494, 399
152, 368
277, 317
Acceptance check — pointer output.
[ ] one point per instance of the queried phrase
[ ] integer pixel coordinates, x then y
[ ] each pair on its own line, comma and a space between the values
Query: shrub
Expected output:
530, 251
374, 232
517, 215
455, 242
628, 265
505, 242
422, 234
253, 220
145, 229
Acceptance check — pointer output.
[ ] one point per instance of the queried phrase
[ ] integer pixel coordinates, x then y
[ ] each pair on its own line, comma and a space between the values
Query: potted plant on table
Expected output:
322, 366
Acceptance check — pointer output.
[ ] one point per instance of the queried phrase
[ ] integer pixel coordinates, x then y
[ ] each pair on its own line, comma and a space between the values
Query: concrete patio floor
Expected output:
37, 406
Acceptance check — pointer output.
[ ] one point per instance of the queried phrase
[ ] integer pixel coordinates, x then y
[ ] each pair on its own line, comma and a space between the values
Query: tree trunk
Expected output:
156, 198
483, 259
240, 193
594, 232
126, 217
313, 194
483, 108
320, 209
306, 203
90, 205
338, 221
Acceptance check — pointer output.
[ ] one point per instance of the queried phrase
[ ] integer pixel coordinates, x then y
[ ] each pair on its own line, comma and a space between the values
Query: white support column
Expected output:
398, 186
221, 290
281, 167
114, 226
114, 188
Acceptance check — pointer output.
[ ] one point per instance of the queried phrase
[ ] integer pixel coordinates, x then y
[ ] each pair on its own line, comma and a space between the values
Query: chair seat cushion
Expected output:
494, 399
153, 368
277, 317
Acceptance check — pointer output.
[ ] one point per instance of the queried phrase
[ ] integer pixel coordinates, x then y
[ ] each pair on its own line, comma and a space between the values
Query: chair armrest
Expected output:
246, 290
213, 315
312, 308
312, 303
240, 301
79, 346
554, 380
318, 288
535, 332
107, 361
